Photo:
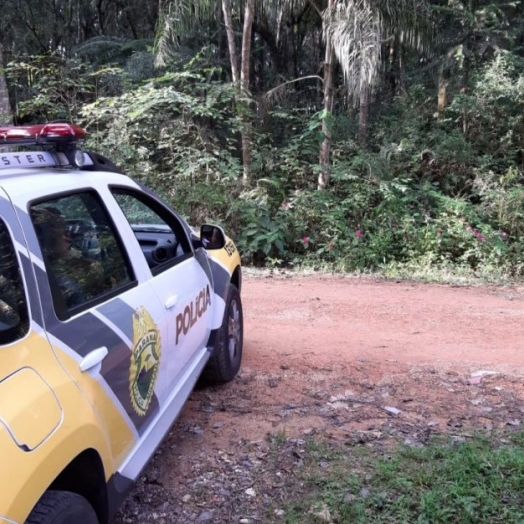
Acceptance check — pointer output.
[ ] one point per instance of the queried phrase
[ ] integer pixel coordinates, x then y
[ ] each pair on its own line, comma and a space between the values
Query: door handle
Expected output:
93, 358
171, 301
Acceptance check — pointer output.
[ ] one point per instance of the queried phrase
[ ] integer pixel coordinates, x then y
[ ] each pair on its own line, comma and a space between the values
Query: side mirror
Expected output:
212, 237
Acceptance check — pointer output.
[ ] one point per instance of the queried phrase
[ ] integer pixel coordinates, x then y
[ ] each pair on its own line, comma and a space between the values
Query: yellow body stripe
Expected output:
81, 427
229, 257
119, 435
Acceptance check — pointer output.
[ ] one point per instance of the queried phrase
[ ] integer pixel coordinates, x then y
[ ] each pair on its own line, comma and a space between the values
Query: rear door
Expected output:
27, 362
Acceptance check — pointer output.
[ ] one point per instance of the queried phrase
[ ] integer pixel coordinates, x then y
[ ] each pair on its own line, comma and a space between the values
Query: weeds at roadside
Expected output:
423, 274
475, 481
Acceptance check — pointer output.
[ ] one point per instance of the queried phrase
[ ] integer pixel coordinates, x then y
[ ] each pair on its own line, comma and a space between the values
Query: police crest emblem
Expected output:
145, 360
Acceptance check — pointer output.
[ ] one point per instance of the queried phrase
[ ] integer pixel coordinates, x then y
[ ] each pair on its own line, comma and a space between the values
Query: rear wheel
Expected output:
225, 363
62, 507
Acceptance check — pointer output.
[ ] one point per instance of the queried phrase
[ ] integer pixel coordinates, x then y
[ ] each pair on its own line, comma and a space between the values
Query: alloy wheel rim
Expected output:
234, 329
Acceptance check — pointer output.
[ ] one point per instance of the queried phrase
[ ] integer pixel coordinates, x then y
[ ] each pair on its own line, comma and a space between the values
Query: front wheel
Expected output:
223, 366
62, 507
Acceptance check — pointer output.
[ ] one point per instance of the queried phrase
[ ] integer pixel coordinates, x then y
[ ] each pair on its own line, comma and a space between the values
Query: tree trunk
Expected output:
442, 96
465, 82
6, 116
246, 45
247, 134
325, 147
403, 85
363, 116
233, 58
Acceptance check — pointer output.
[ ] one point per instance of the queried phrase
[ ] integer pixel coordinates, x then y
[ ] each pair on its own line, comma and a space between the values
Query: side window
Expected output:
14, 318
160, 234
83, 255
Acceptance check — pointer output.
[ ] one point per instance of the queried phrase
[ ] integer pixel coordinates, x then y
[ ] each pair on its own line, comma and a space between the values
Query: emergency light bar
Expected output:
41, 134
58, 140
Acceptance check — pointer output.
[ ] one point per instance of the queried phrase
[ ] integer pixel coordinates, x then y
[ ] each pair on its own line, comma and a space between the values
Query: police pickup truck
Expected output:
111, 308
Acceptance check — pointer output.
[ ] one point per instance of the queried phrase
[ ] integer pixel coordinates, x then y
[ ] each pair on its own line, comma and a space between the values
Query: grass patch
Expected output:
448, 273
478, 481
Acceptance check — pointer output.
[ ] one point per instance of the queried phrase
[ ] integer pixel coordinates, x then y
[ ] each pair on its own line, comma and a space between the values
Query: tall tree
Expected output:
355, 32
233, 56
353, 29
245, 71
358, 30
5, 107
179, 19
469, 32
44, 26
328, 86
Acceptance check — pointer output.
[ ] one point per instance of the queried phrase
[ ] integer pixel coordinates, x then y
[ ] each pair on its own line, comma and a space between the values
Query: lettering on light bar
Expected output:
38, 159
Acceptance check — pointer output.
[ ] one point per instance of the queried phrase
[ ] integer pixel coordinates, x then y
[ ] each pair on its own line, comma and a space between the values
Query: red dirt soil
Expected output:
310, 340
348, 359
314, 320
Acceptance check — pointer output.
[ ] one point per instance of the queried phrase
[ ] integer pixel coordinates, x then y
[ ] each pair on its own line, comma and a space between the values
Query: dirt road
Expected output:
343, 358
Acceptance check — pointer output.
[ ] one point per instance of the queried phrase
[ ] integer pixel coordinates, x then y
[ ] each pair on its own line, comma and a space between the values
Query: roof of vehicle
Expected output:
34, 183
54, 163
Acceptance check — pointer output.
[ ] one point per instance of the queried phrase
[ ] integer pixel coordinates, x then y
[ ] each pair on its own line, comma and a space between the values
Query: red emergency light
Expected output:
41, 134
57, 143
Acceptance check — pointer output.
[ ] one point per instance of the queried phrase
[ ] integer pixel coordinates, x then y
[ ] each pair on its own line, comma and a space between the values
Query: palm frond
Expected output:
179, 19
355, 31
411, 21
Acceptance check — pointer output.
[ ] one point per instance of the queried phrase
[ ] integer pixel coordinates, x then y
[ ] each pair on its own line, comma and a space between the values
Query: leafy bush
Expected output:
170, 132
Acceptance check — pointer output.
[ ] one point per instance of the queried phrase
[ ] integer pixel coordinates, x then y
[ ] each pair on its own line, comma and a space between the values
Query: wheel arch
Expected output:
79, 463
236, 278
226, 279
85, 476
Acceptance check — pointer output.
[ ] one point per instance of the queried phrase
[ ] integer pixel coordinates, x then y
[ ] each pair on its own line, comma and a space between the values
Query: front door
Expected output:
182, 283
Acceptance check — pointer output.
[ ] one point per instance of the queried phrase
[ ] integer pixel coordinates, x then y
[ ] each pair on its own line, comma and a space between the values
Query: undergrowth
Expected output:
424, 197
476, 481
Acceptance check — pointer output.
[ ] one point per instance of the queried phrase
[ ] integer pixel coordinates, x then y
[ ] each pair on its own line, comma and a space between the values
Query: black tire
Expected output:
62, 507
223, 366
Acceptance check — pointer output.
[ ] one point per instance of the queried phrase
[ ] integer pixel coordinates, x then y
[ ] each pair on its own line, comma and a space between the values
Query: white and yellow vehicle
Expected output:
111, 308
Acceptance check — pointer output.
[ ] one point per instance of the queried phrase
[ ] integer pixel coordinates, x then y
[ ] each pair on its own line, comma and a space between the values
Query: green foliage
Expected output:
104, 50
140, 66
424, 195
426, 199
263, 237
49, 87
493, 113
174, 133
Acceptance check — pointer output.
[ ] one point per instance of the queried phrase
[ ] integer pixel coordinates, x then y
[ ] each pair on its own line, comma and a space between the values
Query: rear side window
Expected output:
84, 257
14, 318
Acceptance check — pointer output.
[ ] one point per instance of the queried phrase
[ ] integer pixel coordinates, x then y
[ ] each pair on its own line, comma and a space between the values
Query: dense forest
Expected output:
355, 135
